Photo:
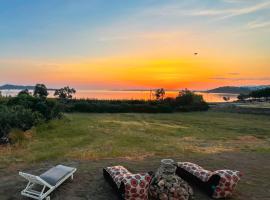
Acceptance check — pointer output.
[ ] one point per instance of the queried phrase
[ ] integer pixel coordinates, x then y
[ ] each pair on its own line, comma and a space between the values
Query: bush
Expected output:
24, 119
189, 101
187, 97
17, 136
17, 117
3, 100
24, 111
5, 121
23, 100
49, 108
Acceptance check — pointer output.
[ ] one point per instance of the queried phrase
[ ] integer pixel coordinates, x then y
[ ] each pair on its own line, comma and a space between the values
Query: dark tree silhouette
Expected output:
187, 97
159, 94
40, 91
65, 92
24, 92
262, 93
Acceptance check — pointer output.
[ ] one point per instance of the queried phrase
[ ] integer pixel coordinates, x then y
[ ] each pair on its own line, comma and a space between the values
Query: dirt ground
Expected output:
88, 183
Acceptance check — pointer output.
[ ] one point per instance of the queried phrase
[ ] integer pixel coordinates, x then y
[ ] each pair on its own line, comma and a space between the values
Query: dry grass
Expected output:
136, 136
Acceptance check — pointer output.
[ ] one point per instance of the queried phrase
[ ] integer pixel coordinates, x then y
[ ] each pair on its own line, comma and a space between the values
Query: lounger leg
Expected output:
71, 177
48, 198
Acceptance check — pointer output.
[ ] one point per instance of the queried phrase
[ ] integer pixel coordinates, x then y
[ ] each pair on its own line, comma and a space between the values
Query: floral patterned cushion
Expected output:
196, 170
117, 173
136, 185
226, 185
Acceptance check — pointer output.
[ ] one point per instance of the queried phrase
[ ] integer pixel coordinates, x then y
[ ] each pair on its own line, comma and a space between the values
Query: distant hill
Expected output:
18, 87
237, 90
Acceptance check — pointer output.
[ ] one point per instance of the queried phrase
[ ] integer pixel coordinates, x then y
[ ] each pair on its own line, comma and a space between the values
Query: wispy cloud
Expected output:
221, 13
258, 24
248, 10
227, 13
241, 79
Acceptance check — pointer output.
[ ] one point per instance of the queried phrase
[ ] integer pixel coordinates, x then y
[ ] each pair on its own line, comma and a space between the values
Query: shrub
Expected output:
24, 111
3, 100
189, 101
5, 121
17, 117
24, 100
49, 108
24, 119
24, 92
187, 97
17, 136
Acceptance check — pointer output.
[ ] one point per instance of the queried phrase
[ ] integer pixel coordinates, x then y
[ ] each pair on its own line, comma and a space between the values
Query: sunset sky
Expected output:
128, 44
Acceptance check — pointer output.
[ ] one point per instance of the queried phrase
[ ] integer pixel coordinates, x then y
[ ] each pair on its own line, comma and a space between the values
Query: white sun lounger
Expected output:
48, 181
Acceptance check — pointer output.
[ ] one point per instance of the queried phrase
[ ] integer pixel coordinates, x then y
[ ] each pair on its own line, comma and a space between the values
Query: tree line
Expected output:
256, 94
185, 101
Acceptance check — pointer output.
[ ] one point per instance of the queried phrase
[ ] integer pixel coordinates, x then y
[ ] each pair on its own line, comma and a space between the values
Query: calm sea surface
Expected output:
109, 94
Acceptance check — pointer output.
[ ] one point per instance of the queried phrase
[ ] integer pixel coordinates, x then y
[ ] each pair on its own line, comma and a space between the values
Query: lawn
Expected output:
91, 141
94, 136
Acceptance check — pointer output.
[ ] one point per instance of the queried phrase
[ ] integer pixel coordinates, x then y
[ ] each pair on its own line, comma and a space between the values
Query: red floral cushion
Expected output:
227, 183
136, 185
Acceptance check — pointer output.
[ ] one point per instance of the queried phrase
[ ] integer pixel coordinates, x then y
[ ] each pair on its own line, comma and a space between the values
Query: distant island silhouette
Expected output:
223, 89
237, 90
19, 87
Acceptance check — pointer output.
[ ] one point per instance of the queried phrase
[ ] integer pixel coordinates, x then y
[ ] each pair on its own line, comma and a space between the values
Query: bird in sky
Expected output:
195, 54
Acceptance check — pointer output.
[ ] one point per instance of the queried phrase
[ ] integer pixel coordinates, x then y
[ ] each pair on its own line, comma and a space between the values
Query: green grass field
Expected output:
215, 140
94, 136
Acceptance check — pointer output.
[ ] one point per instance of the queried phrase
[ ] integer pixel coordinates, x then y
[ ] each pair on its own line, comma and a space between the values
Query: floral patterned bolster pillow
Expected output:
129, 186
220, 183
227, 183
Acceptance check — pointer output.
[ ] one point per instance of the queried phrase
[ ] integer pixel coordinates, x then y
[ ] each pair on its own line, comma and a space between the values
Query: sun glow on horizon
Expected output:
131, 73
